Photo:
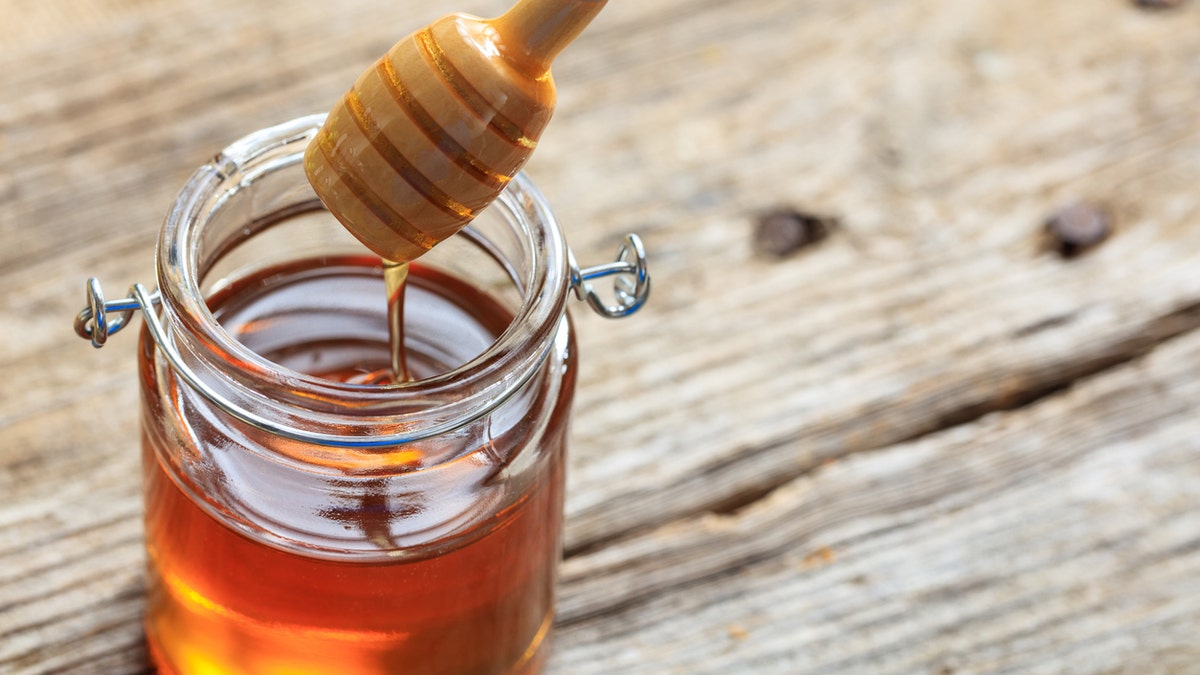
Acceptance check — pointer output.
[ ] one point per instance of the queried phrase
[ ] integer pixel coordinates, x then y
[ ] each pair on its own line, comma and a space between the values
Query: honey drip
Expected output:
395, 276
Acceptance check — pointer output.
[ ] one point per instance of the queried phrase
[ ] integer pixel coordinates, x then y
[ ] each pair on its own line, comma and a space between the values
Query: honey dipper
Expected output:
433, 131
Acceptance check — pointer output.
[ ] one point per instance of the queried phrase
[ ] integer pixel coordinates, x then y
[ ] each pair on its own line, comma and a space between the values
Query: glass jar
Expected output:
302, 517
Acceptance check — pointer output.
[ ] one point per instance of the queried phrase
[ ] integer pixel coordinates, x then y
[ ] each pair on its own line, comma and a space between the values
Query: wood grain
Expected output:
1018, 542
927, 444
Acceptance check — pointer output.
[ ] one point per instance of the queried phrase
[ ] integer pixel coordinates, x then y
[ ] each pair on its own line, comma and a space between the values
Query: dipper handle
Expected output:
535, 31
433, 131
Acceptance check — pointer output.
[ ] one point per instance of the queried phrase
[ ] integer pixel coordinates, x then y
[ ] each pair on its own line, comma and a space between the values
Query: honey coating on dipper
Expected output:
432, 133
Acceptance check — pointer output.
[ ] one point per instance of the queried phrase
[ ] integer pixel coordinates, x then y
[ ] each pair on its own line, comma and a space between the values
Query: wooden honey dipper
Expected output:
434, 131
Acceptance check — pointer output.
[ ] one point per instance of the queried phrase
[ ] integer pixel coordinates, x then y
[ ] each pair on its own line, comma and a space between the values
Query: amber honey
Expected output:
453, 575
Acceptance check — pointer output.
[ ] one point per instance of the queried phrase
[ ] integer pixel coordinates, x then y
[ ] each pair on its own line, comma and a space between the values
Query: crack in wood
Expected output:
1047, 324
1130, 347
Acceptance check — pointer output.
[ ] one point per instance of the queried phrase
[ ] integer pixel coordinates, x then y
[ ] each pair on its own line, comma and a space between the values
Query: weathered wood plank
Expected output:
1062, 537
941, 147
940, 134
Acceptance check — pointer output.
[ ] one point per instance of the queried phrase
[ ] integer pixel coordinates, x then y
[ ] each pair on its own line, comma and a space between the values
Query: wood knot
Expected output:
781, 232
1077, 228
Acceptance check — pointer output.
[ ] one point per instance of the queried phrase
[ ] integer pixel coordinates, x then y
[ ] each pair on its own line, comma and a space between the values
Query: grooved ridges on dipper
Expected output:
433, 131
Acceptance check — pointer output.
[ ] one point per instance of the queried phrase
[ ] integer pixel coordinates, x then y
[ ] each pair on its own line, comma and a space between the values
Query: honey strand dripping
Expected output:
395, 277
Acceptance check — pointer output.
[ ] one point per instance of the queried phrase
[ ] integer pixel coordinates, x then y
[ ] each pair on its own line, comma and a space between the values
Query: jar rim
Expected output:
361, 415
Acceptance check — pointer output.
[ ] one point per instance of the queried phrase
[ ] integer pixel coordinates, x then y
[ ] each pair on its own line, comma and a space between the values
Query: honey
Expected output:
395, 276
452, 573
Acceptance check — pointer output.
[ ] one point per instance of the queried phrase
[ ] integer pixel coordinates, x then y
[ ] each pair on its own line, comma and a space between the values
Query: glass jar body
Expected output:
272, 553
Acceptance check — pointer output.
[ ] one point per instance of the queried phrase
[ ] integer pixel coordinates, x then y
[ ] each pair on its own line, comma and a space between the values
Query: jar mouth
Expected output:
252, 186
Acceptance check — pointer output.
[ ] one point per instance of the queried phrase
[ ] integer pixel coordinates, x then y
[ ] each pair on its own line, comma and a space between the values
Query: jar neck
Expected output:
258, 183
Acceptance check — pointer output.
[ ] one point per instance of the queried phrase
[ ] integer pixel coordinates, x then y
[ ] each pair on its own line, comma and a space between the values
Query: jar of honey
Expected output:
306, 514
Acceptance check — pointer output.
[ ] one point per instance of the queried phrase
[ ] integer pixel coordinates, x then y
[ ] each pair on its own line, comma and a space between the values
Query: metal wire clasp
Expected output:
102, 318
93, 322
631, 287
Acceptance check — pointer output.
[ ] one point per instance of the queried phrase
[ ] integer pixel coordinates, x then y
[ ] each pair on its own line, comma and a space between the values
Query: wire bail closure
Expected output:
102, 318
96, 322
631, 287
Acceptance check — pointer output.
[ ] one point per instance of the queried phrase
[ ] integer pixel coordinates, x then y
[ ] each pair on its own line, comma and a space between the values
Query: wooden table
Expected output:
928, 443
